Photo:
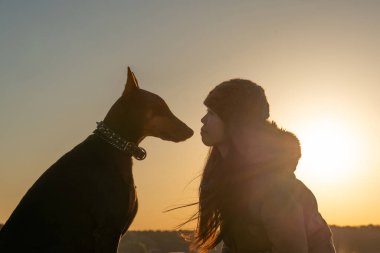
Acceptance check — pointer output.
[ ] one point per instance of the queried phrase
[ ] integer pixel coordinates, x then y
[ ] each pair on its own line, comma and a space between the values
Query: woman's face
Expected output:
213, 129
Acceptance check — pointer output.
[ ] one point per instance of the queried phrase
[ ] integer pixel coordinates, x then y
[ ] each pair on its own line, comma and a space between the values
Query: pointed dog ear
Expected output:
131, 84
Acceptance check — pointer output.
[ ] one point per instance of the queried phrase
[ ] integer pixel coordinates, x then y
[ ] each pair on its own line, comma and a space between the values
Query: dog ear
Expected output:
132, 83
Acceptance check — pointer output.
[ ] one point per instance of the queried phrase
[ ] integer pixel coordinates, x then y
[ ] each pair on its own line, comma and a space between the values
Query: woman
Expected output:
249, 197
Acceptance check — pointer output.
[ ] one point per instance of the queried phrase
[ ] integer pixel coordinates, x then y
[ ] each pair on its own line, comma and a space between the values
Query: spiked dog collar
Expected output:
109, 136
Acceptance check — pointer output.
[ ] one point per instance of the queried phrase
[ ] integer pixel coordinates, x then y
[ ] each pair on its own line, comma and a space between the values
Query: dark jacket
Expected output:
274, 211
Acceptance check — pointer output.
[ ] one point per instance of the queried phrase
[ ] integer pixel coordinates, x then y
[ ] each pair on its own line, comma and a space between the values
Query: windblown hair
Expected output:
215, 192
207, 234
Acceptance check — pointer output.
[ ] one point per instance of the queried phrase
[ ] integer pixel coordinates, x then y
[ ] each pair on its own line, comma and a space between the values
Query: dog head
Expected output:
151, 114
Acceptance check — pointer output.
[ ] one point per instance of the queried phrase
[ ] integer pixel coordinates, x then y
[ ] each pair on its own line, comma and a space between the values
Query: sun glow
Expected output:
330, 151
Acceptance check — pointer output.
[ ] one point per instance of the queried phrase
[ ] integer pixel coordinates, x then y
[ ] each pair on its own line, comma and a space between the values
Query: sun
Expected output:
330, 151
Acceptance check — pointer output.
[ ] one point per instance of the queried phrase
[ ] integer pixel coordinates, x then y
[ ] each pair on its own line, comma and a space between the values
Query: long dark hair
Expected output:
209, 219
217, 190
239, 103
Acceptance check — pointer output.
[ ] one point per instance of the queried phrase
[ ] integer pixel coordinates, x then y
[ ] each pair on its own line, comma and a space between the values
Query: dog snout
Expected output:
181, 131
189, 132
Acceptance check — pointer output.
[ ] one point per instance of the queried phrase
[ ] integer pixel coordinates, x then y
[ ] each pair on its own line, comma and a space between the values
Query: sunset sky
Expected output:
63, 64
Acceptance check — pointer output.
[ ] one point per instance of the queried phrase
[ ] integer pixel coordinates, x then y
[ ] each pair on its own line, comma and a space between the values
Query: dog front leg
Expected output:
106, 239
106, 232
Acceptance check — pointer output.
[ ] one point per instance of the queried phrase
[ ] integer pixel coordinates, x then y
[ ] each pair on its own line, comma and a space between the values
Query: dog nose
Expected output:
190, 132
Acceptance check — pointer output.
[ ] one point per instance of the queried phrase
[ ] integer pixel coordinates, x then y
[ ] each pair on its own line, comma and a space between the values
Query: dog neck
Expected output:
124, 120
114, 139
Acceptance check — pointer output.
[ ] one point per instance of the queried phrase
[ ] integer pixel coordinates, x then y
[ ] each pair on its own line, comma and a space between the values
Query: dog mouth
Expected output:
176, 136
170, 129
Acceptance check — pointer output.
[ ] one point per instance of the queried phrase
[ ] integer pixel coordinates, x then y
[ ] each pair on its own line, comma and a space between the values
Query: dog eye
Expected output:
159, 111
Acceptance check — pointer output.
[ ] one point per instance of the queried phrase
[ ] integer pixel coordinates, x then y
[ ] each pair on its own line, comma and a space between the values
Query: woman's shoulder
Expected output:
273, 183
275, 189
280, 191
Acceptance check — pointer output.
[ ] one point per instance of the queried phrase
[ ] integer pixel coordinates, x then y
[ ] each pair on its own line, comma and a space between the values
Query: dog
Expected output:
87, 200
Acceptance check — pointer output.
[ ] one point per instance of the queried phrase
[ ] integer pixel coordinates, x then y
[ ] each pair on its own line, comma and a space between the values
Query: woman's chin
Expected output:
206, 142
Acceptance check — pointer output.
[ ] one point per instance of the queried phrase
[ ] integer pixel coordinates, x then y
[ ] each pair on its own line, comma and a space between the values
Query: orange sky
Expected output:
62, 65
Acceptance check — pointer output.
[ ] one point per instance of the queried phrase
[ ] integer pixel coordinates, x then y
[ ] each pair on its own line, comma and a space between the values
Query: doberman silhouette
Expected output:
87, 200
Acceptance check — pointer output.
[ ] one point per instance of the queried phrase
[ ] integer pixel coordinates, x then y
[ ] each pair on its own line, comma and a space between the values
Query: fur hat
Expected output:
238, 100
